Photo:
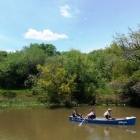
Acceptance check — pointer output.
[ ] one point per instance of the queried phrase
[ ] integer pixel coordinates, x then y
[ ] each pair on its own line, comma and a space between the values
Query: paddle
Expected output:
82, 121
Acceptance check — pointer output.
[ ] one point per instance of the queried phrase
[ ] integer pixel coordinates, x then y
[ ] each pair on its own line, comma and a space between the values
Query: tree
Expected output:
3, 54
17, 66
77, 63
126, 71
49, 49
130, 45
102, 66
56, 82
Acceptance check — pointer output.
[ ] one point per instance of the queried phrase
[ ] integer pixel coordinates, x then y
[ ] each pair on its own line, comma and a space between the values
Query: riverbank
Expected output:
25, 98
16, 98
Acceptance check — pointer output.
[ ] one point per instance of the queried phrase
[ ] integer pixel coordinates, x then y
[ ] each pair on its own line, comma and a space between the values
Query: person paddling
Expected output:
75, 113
91, 115
107, 114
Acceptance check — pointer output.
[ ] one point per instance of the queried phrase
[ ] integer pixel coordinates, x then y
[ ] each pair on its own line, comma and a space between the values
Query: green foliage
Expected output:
115, 50
17, 66
57, 83
105, 91
86, 81
124, 68
3, 55
130, 45
48, 49
136, 76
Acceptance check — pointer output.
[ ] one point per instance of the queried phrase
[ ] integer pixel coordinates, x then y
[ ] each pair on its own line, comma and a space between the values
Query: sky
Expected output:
84, 25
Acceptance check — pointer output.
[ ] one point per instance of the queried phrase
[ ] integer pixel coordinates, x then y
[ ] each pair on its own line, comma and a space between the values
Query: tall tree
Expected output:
56, 82
17, 66
86, 82
130, 45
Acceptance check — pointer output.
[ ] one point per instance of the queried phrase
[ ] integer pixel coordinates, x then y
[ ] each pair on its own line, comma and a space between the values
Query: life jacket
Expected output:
92, 116
93, 112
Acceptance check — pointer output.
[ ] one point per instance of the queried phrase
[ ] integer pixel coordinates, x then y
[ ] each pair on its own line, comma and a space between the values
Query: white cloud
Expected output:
46, 35
64, 11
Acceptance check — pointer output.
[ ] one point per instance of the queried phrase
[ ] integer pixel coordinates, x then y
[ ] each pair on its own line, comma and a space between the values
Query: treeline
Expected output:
110, 75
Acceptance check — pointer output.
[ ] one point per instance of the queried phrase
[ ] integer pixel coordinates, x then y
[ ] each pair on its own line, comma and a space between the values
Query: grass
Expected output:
16, 103
16, 98
19, 98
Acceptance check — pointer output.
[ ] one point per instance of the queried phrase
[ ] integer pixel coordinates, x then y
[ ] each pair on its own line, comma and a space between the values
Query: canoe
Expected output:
99, 120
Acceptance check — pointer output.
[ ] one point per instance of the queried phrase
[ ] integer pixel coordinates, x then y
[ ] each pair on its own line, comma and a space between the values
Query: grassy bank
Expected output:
16, 98
19, 98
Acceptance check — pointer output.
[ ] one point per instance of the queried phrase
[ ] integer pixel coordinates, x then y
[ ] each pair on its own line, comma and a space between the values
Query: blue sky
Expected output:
85, 25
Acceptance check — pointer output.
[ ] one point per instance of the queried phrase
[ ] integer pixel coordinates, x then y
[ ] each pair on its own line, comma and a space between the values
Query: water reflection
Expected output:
107, 128
96, 131
89, 128
106, 131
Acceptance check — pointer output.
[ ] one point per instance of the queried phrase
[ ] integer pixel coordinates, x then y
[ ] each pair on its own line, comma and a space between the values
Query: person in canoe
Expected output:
107, 114
91, 115
75, 113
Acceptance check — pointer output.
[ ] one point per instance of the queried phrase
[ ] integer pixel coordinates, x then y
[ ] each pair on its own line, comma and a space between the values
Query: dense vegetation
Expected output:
110, 75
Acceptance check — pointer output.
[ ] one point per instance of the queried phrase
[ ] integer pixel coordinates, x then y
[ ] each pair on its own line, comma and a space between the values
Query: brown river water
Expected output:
41, 123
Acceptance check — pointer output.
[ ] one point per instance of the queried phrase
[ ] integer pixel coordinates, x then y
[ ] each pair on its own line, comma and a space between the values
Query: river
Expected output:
41, 123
